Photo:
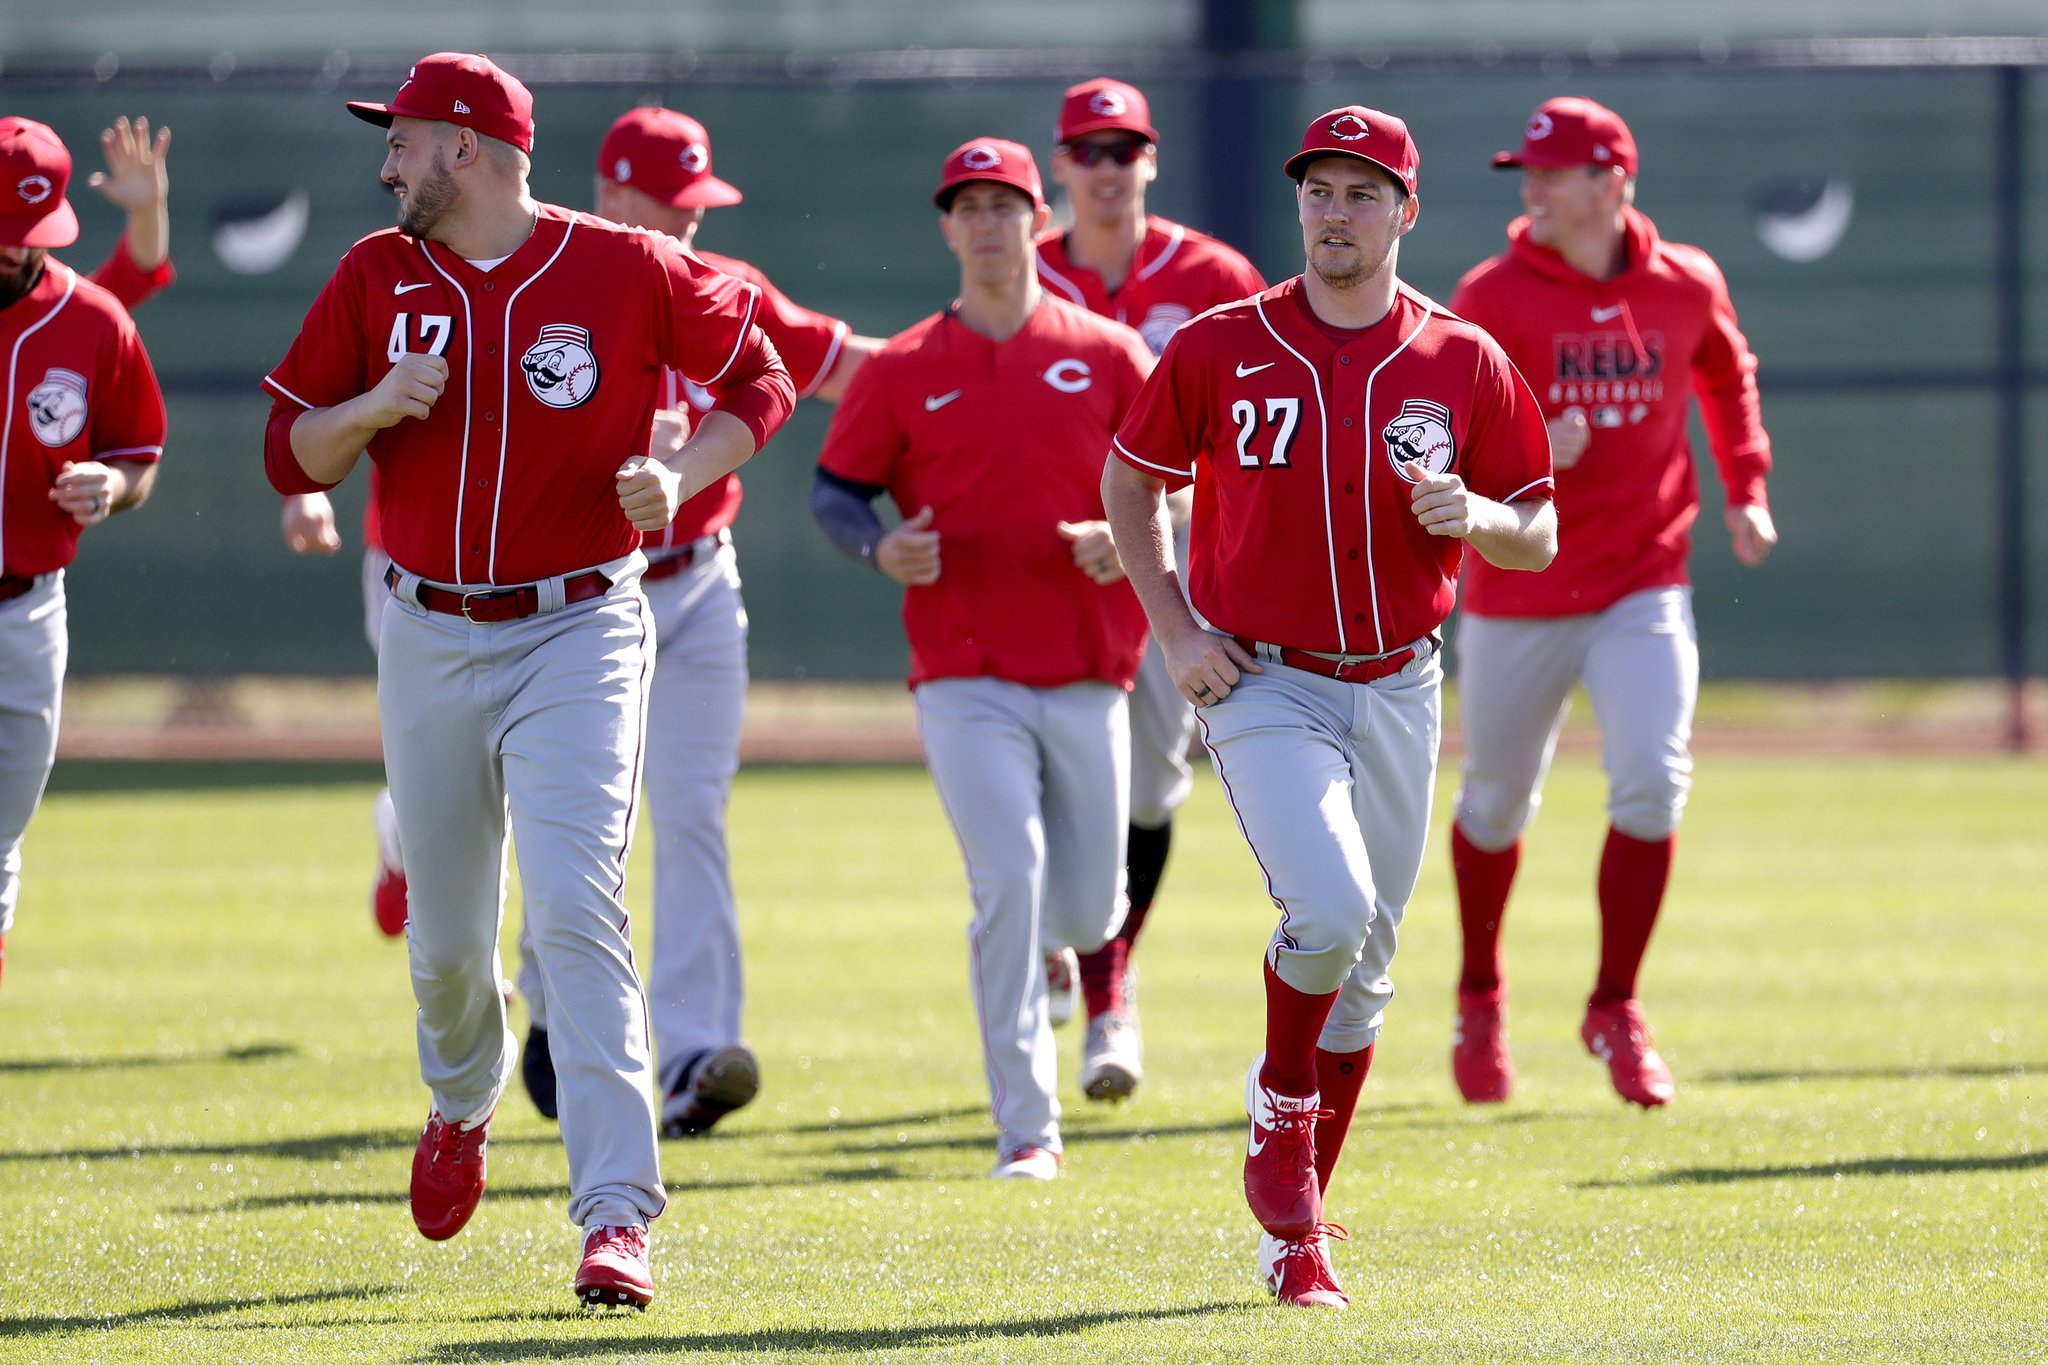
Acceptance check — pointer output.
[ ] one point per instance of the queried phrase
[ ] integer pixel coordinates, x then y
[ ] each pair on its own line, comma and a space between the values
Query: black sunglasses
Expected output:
1123, 151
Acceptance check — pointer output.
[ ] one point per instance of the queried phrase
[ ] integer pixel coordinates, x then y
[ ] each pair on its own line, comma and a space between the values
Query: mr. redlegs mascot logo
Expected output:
560, 368
1422, 433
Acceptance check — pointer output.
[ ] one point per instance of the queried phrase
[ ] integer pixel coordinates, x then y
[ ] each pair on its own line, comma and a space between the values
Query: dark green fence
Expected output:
1881, 358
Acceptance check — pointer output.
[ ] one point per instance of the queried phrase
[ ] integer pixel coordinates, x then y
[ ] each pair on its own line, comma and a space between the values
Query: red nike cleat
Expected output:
447, 1176
614, 1270
1299, 1274
1280, 1159
1619, 1036
1479, 1047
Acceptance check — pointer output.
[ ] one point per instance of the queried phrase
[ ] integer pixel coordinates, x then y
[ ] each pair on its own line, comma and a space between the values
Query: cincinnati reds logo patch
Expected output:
1348, 128
1161, 323
981, 157
560, 368
1422, 433
1107, 103
33, 189
56, 407
1540, 126
1069, 376
695, 157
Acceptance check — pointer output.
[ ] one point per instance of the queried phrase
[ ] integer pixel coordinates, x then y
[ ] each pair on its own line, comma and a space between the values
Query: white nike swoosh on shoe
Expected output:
938, 400
1607, 314
408, 288
1245, 371
1255, 1144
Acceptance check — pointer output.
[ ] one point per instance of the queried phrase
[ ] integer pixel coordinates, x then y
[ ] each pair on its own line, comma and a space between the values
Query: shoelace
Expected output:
634, 1240
455, 1143
1294, 1129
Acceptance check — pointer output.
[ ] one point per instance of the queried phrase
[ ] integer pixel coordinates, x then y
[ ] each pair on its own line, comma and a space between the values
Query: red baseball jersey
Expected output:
555, 362
1177, 273
1294, 434
1627, 352
127, 281
1002, 440
809, 345
79, 387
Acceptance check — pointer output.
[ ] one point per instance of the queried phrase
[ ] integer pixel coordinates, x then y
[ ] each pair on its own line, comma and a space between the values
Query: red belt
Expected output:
1352, 668
668, 566
12, 587
488, 605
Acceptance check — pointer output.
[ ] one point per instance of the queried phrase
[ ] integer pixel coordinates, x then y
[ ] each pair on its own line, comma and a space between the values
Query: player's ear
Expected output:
1039, 218
1411, 209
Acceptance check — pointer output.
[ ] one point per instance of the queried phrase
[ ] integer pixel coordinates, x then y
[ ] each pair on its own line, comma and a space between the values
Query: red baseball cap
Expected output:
1103, 105
665, 155
460, 88
1364, 133
1571, 131
35, 168
989, 158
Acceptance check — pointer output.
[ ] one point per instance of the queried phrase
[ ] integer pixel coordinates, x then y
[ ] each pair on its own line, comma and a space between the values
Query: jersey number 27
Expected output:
1282, 413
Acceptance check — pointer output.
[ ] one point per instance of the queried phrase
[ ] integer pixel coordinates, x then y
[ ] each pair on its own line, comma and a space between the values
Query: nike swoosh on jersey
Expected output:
1245, 371
1607, 314
408, 288
934, 402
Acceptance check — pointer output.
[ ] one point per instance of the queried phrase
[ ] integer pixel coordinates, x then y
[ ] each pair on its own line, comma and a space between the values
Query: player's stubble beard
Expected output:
427, 202
17, 279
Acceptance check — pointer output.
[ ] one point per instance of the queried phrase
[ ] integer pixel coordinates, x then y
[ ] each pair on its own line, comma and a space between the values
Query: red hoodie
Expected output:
1628, 352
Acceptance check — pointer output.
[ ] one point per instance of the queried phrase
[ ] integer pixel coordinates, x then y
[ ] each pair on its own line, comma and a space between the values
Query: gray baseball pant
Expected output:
34, 645
542, 719
1036, 783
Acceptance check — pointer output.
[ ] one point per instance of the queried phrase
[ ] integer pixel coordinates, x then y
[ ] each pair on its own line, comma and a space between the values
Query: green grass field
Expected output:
208, 1101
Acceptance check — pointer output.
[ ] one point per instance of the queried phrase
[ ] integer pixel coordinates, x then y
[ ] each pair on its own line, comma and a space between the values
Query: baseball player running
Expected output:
985, 424
1138, 268
501, 359
654, 171
80, 440
1616, 328
1346, 439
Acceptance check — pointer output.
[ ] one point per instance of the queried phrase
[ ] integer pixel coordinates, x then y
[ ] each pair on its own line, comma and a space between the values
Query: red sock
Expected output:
1633, 875
1484, 880
1102, 977
1294, 1020
1342, 1075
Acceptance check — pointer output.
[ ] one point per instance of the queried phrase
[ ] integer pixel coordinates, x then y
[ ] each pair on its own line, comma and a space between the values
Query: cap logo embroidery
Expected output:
1348, 128
622, 170
695, 158
1540, 126
1601, 153
1107, 103
34, 189
981, 157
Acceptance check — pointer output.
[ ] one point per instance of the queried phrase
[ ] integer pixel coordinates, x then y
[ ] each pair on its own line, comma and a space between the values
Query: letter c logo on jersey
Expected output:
560, 368
1069, 376
56, 407
1422, 433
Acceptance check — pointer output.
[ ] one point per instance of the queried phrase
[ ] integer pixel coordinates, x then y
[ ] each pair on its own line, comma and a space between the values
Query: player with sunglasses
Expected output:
1152, 274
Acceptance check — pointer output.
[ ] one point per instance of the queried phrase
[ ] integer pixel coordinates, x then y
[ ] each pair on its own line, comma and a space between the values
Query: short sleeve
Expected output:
329, 360
128, 412
1161, 434
1507, 446
807, 341
707, 313
865, 440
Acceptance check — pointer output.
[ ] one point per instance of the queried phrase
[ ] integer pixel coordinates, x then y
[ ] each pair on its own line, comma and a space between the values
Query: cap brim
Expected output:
943, 195
707, 192
1110, 125
1507, 161
1298, 164
58, 227
379, 114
